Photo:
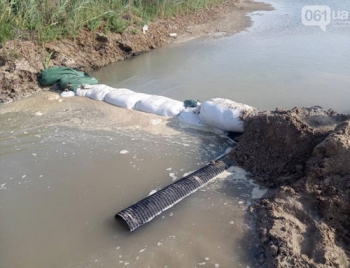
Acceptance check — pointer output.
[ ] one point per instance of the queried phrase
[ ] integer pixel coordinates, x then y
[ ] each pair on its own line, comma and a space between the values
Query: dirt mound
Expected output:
276, 145
307, 224
328, 181
293, 233
306, 221
332, 155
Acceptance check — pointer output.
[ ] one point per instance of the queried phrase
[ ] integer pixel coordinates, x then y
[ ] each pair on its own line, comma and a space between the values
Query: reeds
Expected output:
47, 20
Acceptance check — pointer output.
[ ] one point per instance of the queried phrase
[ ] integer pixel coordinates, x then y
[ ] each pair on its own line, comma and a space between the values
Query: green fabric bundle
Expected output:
191, 103
66, 77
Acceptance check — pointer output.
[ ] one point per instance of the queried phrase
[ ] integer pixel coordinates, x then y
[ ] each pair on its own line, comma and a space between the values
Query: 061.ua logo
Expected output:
322, 16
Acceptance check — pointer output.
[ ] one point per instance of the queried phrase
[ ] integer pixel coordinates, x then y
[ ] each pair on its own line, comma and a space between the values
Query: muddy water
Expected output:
68, 166
279, 62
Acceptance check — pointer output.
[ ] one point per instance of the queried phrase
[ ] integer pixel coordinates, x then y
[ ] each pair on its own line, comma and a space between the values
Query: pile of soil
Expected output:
20, 60
276, 145
305, 155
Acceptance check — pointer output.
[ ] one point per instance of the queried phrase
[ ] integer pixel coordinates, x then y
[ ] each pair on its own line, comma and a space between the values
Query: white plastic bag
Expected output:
66, 94
80, 92
125, 99
98, 92
160, 105
223, 114
190, 117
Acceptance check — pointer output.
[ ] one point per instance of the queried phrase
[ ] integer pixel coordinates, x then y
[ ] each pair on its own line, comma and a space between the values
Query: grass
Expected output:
47, 20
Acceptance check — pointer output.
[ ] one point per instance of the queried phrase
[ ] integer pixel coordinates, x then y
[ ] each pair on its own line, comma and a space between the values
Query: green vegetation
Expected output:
47, 20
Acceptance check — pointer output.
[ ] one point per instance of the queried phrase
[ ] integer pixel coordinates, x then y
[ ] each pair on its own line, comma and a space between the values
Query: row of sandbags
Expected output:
126, 98
218, 113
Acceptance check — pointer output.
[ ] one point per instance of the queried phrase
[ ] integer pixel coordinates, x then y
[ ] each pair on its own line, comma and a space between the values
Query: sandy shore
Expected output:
20, 61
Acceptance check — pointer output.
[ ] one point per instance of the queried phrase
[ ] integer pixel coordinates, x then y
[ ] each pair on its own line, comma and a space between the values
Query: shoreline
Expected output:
93, 50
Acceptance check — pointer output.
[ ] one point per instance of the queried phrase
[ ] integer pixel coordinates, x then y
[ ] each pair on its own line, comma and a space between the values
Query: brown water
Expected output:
67, 167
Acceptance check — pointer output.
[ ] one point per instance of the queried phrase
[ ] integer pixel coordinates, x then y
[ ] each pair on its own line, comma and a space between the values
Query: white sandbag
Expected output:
98, 92
67, 94
80, 92
223, 114
126, 99
160, 105
171, 108
190, 117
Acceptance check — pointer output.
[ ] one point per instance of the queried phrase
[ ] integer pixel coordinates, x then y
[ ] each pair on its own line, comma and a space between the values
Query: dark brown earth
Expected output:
287, 137
20, 61
305, 155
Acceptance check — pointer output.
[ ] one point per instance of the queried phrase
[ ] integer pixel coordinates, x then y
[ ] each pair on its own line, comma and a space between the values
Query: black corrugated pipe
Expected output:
151, 206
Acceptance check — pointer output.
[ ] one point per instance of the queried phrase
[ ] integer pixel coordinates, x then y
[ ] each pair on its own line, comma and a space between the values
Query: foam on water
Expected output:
258, 192
172, 176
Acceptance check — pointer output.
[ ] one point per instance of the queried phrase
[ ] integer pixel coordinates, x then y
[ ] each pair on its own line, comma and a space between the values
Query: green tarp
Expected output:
72, 82
191, 103
66, 77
